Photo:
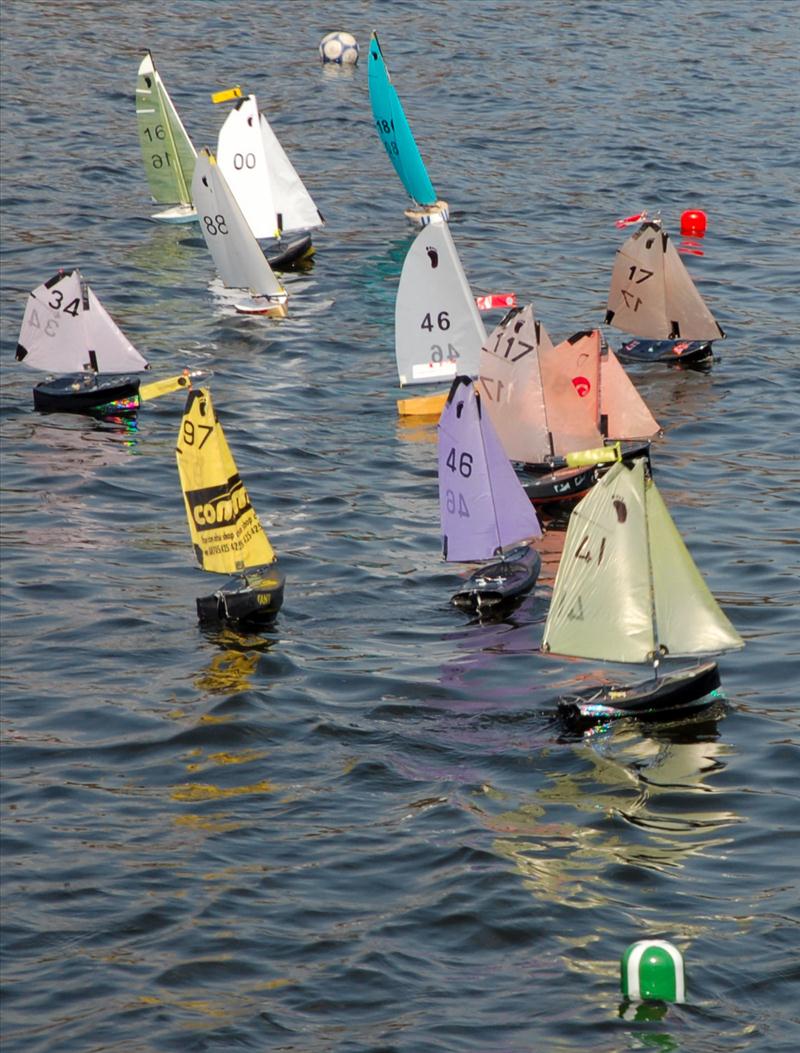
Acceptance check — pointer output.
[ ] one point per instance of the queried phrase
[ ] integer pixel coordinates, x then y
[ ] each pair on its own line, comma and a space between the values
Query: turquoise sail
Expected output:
394, 130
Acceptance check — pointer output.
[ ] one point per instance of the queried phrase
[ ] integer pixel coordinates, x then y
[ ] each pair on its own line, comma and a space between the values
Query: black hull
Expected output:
280, 256
88, 393
254, 597
295, 252
673, 352
500, 583
547, 486
672, 696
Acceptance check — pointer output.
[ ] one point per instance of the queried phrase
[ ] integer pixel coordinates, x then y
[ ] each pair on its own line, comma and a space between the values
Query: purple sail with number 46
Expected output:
484, 509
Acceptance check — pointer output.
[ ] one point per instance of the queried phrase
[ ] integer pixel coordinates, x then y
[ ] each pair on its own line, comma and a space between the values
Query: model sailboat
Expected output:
167, 150
237, 255
65, 329
270, 193
397, 137
484, 511
627, 590
225, 530
556, 409
652, 296
438, 328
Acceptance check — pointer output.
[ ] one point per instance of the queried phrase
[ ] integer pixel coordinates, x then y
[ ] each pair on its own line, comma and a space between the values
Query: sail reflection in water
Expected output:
660, 784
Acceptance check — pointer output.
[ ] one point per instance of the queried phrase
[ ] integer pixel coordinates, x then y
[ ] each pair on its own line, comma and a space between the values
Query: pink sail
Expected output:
483, 506
627, 414
571, 380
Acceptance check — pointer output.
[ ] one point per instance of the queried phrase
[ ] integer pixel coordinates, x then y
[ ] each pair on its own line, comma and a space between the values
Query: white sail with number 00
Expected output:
438, 328
269, 191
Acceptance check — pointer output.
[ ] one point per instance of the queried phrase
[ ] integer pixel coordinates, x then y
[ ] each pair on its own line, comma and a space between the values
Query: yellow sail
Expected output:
223, 525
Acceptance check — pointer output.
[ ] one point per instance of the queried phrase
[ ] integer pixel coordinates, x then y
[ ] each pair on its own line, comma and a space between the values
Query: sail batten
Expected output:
237, 256
394, 130
652, 294
483, 507
223, 525
438, 328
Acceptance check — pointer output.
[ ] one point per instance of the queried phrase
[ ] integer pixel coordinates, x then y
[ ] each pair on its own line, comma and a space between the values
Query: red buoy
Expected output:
693, 222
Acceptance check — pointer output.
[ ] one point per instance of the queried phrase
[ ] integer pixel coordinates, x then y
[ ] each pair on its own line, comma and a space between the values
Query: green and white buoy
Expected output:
653, 969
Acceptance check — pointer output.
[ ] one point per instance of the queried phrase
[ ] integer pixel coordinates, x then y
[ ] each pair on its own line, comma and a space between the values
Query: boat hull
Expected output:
254, 597
550, 486
672, 696
88, 393
177, 214
499, 583
298, 251
673, 352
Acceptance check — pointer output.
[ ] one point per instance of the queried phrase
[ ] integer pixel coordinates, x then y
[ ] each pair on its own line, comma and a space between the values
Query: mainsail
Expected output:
394, 130
546, 400
438, 328
511, 382
652, 294
263, 180
627, 588
237, 256
483, 506
223, 525
167, 150
66, 329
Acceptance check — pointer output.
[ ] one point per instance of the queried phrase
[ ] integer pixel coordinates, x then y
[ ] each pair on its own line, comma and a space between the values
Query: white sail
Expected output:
652, 294
626, 586
66, 329
293, 203
243, 162
438, 329
237, 256
511, 383
167, 150
269, 191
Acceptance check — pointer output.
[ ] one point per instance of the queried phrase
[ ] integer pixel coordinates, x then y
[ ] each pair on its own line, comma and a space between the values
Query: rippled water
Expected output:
363, 830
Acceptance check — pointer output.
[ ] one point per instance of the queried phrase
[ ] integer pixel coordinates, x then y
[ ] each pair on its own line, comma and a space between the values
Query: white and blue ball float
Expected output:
340, 48
653, 970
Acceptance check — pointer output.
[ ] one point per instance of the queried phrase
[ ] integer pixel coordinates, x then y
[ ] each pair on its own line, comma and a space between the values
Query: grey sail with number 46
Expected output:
438, 328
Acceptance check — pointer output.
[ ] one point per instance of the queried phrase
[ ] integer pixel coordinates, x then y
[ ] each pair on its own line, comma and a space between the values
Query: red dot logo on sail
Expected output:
582, 386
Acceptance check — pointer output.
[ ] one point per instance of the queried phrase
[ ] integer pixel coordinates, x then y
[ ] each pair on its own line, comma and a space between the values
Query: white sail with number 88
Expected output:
237, 256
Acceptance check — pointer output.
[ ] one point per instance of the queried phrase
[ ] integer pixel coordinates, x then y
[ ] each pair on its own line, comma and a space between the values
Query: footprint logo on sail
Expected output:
582, 386
433, 256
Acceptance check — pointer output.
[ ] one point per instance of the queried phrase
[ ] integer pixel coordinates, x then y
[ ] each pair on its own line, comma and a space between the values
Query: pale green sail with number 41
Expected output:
167, 150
